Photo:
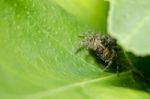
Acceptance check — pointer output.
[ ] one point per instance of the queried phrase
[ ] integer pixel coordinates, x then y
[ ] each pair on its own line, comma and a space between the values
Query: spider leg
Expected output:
110, 60
79, 47
117, 69
108, 65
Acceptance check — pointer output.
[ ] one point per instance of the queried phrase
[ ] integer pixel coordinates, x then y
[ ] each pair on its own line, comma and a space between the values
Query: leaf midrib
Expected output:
66, 87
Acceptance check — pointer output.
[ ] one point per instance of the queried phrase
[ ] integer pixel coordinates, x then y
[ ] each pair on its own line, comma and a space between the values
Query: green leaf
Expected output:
37, 61
92, 12
129, 22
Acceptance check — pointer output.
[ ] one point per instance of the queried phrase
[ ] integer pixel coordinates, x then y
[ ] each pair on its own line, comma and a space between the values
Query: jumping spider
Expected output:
104, 46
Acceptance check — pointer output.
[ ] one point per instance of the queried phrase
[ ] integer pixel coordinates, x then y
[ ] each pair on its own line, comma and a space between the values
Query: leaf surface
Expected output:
129, 22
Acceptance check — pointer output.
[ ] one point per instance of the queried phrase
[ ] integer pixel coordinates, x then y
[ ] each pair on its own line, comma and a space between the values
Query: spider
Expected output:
104, 47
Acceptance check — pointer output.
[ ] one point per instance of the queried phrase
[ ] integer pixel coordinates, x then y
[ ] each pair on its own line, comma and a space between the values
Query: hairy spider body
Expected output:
104, 46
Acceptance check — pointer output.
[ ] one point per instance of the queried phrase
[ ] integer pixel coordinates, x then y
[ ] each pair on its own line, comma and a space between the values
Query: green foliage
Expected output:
129, 22
37, 61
